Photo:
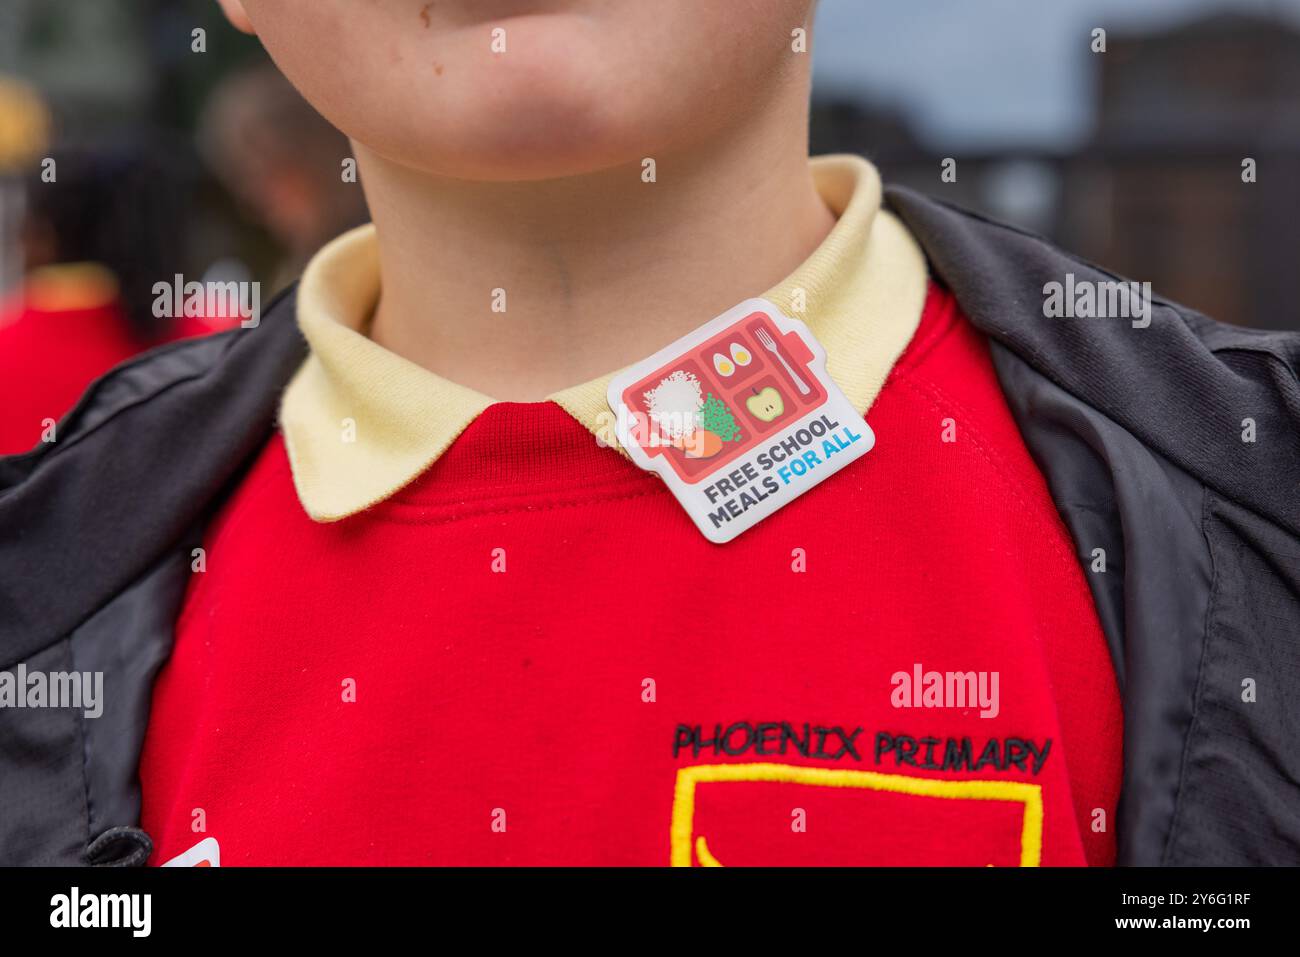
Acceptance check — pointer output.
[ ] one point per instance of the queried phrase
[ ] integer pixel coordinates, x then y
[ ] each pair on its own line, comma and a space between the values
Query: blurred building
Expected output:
1156, 192
1159, 193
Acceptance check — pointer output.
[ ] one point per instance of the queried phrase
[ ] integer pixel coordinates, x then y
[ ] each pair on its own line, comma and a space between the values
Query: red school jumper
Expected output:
531, 656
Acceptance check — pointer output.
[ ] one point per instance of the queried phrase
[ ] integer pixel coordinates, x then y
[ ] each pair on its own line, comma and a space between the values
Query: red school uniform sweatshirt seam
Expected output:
909, 372
927, 391
930, 393
939, 320
434, 499
392, 512
224, 525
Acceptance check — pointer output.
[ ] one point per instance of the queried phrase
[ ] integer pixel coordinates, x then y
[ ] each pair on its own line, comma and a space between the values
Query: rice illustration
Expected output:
675, 403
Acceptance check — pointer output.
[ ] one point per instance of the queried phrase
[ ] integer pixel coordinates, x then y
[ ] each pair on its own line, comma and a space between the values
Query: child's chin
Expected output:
534, 163
549, 156
496, 147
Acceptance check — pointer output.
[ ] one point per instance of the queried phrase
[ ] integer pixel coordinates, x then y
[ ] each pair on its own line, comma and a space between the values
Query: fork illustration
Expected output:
766, 339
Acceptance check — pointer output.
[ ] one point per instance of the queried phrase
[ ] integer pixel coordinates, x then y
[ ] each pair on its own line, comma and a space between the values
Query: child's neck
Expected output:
595, 271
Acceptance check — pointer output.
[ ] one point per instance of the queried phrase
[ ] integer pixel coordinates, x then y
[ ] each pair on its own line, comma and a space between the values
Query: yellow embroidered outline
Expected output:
683, 823
702, 852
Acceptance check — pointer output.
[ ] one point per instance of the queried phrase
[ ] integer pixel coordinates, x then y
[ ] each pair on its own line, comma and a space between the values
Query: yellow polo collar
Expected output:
360, 422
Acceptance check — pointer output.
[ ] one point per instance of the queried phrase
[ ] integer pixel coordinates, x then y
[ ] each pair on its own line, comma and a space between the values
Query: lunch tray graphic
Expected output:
750, 390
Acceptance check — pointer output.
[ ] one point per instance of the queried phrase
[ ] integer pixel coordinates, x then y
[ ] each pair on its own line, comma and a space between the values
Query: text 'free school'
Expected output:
791, 457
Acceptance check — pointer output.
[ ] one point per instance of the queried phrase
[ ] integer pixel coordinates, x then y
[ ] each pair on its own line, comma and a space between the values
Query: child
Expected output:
432, 616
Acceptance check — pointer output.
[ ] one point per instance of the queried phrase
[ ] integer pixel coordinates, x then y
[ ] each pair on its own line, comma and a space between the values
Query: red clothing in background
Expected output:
50, 353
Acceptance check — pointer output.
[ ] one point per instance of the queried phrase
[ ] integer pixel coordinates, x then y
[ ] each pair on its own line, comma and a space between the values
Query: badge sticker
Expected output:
738, 417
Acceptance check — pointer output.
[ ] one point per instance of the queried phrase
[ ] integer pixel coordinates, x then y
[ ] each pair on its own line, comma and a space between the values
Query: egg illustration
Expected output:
724, 365
740, 354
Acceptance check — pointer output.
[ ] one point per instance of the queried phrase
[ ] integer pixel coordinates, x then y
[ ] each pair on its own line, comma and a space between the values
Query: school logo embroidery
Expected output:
740, 813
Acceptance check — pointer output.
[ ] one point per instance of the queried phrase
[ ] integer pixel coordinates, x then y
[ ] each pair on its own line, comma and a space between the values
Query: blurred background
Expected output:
208, 164
1130, 158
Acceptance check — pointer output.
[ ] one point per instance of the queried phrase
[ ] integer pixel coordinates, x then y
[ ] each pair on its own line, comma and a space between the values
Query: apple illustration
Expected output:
765, 405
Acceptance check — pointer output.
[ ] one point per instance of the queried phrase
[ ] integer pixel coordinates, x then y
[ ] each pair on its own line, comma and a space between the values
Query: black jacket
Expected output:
1139, 432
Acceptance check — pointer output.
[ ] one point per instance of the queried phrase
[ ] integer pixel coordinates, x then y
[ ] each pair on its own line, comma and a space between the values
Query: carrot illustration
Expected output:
700, 444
